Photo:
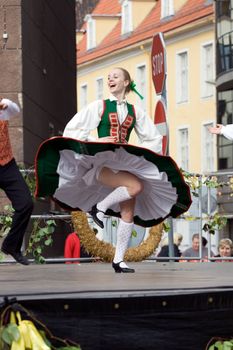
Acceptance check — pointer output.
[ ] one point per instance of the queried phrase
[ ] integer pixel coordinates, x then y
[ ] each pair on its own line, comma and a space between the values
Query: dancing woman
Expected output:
109, 176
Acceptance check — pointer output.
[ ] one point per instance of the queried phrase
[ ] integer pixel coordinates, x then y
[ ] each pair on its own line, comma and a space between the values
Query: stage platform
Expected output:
177, 306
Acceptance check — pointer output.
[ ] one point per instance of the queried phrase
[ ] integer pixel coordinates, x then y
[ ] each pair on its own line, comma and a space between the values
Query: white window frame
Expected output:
83, 98
142, 91
91, 32
98, 95
179, 93
179, 144
126, 23
204, 155
205, 91
167, 8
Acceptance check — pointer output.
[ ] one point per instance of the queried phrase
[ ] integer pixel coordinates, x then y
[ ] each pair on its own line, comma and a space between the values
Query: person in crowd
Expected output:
225, 249
72, 247
225, 130
14, 186
106, 176
164, 252
194, 251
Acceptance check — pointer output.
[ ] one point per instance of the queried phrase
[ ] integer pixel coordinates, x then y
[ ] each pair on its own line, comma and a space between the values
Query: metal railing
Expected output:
170, 233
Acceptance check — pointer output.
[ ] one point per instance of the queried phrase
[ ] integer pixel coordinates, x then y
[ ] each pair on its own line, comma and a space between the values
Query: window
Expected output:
208, 149
167, 8
141, 85
183, 150
207, 70
83, 96
182, 77
91, 39
126, 19
225, 116
99, 89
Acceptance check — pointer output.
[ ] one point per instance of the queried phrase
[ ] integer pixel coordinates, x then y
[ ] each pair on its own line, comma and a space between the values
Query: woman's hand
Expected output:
108, 139
215, 130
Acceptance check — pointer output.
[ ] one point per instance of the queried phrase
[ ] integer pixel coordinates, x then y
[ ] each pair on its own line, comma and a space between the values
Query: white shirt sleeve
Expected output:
83, 122
227, 131
148, 134
11, 111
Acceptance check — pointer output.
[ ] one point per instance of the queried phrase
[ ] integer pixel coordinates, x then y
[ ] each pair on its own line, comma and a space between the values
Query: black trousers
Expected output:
16, 189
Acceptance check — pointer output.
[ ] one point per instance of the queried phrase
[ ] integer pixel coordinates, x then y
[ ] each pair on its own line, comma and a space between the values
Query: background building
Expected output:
38, 71
224, 84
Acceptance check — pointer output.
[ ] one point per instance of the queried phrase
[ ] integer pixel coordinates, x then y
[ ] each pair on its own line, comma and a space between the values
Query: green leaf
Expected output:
38, 250
114, 223
219, 345
227, 345
195, 194
10, 333
51, 222
134, 233
48, 241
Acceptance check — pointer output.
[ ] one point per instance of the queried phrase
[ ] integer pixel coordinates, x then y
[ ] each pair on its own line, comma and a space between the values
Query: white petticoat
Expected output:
79, 187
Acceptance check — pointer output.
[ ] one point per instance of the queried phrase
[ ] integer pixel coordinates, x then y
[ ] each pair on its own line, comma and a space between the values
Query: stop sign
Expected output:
158, 62
161, 123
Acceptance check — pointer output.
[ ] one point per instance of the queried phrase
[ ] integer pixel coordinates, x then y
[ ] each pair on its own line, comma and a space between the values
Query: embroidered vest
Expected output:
110, 126
6, 154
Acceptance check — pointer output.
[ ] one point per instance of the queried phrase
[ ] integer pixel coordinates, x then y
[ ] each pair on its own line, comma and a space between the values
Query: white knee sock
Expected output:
124, 232
118, 195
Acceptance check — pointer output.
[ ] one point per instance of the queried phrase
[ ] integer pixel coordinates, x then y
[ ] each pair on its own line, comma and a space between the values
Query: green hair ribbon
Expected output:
133, 88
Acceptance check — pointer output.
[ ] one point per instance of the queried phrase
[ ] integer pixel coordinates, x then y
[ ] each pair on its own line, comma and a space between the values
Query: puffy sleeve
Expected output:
148, 134
11, 111
227, 131
83, 122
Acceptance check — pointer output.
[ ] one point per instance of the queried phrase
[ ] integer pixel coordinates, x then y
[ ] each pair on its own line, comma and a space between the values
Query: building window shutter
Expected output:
91, 35
183, 148
207, 71
126, 18
167, 8
182, 78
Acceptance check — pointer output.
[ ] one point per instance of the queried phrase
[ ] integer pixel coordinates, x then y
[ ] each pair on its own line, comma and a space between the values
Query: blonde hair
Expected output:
127, 77
225, 241
177, 239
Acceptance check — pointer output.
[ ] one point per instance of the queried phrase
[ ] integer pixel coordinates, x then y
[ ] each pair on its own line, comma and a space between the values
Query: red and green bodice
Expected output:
110, 125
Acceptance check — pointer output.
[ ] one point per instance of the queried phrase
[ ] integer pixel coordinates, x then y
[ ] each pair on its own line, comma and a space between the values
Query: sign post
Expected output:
159, 71
158, 61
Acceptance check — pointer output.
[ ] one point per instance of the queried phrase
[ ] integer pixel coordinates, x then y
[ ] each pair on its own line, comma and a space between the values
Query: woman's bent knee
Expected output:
135, 188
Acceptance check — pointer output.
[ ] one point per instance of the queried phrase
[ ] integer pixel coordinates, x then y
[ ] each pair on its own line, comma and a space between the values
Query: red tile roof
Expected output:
107, 7
192, 11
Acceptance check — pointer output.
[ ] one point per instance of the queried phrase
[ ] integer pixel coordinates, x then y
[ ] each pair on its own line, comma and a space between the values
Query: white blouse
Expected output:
80, 126
11, 111
227, 131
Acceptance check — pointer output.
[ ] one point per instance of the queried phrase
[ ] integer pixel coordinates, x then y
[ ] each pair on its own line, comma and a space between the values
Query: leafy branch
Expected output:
41, 237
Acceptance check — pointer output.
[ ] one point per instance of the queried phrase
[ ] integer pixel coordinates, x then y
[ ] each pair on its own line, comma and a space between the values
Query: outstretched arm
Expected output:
220, 129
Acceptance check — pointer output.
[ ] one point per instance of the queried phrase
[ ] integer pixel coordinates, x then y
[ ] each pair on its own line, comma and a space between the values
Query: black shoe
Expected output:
93, 212
18, 256
119, 269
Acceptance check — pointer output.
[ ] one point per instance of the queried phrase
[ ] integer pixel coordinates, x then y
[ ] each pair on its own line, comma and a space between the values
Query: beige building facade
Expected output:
188, 30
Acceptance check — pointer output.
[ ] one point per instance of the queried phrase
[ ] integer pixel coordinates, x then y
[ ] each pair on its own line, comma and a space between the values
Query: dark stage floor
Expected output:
172, 306
93, 280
